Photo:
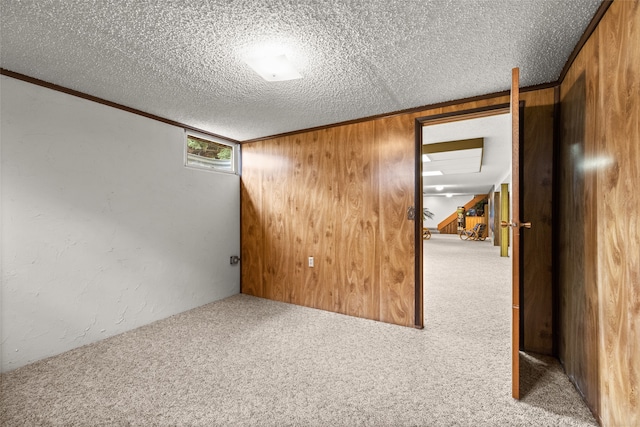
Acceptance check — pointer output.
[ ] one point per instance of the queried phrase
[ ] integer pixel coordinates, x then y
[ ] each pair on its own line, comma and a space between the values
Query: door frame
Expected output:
420, 122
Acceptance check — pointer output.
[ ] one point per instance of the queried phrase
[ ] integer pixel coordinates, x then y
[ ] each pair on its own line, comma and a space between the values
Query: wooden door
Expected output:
512, 108
515, 226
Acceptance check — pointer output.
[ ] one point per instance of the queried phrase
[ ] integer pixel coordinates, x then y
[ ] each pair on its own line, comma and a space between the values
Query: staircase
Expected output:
450, 224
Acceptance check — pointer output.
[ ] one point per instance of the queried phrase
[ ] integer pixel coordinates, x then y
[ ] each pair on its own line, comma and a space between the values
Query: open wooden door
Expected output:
514, 109
515, 224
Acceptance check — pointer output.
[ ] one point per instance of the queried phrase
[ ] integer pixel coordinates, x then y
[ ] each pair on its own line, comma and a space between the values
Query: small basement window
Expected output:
206, 152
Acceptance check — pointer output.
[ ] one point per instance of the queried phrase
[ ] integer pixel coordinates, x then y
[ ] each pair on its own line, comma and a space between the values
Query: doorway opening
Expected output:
451, 171
465, 158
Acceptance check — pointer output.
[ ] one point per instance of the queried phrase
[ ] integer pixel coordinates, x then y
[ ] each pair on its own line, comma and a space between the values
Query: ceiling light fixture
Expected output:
454, 157
449, 195
273, 68
439, 187
431, 173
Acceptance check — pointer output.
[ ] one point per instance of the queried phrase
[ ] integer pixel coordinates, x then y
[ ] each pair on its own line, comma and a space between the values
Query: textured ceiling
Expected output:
182, 60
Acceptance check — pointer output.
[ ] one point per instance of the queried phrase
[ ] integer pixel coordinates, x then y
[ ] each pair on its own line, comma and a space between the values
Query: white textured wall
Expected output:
103, 228
442, 207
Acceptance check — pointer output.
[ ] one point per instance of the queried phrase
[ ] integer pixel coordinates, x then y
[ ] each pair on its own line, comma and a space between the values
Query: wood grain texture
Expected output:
578, 297
339, 194
276, 182
536, 194
450, 228
357, 290
314, 194
599, 253
251, 224
318, 193
618, 202
515, 232
303, 285
396, 178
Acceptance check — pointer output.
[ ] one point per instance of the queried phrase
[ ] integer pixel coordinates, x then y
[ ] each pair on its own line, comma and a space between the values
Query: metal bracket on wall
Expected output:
234, 260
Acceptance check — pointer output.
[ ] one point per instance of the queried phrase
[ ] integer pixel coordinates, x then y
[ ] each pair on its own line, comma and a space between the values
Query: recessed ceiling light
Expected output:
449, 195
431, 173
439, 187
273, 68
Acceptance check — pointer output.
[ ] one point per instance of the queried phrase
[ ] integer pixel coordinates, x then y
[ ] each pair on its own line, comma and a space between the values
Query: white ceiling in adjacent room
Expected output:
496, 156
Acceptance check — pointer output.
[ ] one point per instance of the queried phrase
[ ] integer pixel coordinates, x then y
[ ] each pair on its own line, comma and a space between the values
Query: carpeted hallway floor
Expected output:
245, 361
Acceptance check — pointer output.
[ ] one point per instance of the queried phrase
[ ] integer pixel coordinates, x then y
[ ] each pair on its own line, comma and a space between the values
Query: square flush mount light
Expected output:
273, 68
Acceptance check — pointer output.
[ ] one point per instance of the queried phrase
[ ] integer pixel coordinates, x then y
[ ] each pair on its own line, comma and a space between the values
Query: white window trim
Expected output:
235, 153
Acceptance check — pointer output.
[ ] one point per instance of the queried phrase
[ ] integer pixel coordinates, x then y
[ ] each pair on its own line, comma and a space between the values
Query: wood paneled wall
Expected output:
451, 228
599, 249
536, 194
341, 195
394, 137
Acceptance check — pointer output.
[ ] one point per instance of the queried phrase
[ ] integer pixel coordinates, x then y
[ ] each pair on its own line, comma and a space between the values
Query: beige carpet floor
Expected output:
246, 361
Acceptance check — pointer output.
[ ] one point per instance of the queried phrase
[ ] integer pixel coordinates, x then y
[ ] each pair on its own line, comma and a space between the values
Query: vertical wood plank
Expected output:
536, 194
515, 247
303, 209
395, 144
616, 151
277, 183
251, 217
327, 216
578, 293
318, 209
356, 291
599, 260
578, 341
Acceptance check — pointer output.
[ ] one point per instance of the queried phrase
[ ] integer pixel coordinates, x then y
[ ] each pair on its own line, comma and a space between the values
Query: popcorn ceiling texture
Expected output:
182, 60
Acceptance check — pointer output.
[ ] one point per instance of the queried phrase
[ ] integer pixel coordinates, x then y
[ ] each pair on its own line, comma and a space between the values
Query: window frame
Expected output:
235, 153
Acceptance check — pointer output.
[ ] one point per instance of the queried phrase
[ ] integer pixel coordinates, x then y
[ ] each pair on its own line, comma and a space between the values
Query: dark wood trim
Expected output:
540, 86
585, 36
405, 111
419, 124
523, 236
419, 242
489, 110
88, 97
555, 225
515, 232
